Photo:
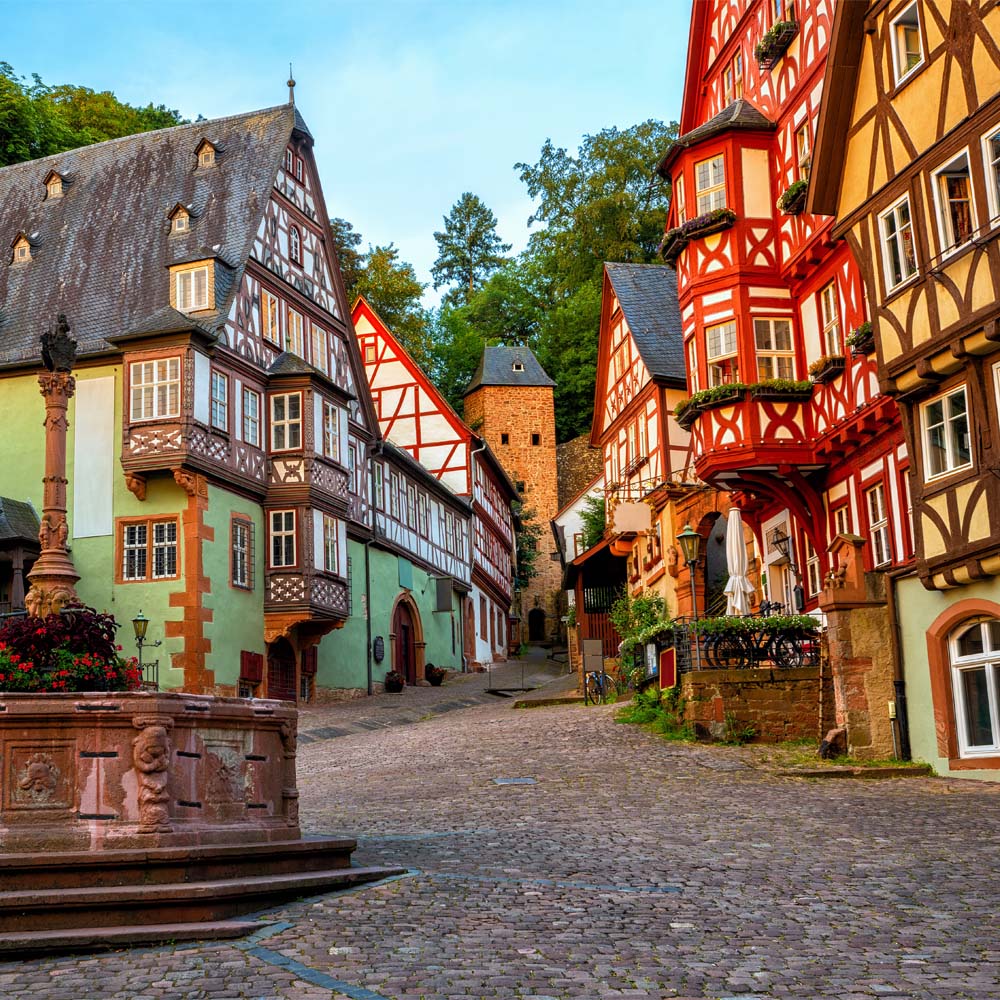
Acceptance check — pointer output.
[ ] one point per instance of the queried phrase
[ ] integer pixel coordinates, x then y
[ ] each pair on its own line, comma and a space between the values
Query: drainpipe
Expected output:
898, 682
472, 541
376, 450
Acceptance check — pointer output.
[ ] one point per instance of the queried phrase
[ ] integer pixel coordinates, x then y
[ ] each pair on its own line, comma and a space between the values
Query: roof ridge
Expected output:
149, 132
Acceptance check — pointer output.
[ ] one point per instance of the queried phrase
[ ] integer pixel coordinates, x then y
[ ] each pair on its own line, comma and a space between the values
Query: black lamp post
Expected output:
689, 541
139, 625
783, 543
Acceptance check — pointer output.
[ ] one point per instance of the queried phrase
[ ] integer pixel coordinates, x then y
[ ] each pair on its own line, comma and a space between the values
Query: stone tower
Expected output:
510, 403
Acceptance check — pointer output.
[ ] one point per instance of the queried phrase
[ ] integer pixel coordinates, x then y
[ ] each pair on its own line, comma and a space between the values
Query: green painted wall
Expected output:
342, 659
917, 609
238, 615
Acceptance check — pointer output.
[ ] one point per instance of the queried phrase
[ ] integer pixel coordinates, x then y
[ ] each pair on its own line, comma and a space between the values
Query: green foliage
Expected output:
351, 260
527, 536
469, 249
391, 287
861, 336
660, 711
792, 194
593, 518
750, 623
738, 733
38, 120
732, 390
571, 616
633, 615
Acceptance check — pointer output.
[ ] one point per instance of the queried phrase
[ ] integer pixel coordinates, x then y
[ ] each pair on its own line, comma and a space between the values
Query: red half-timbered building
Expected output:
414, 416
784, 407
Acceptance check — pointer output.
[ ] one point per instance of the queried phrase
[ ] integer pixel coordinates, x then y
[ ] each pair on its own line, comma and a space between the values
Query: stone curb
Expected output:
919, 771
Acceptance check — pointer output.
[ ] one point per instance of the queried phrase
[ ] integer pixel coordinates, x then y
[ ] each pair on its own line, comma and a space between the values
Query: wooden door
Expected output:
406, 659
281, 671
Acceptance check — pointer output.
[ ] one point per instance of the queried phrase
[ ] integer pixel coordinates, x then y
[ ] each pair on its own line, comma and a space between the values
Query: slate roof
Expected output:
100, 253
18, 521
741, 115
647, 294
496, 367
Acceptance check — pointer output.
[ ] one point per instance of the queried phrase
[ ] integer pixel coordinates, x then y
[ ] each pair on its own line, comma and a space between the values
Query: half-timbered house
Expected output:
784, 405
908, 158
221, 423
414, 416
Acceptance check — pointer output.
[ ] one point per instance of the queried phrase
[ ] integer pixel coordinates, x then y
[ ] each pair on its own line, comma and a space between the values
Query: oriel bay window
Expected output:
286, 421
945, 422
775, 357
710, 184
975, 663
156, 389
283, 548
723, 366
148, 550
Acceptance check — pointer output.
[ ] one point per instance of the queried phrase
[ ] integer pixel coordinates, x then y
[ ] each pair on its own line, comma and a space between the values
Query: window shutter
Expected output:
310, 661
251, 667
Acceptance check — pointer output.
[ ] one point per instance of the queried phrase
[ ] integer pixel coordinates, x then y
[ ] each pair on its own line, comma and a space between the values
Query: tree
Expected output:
391, 288
593, 518
469, 249
455, 349
39, 120
351, 261
527, 537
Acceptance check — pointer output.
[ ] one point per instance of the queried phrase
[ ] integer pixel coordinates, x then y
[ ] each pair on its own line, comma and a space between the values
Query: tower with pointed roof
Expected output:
510, 402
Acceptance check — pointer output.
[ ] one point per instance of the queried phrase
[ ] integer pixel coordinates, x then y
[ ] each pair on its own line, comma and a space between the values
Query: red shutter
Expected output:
310, 658
251, 667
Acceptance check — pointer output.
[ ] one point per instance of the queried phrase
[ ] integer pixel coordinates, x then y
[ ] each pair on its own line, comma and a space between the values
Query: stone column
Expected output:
53, 577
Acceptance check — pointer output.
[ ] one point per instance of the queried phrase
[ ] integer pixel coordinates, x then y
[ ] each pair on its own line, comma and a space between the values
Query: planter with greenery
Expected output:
394, 682
672, 244
686, 412
435, 675
827, 368
861, 340
782, 388
775, 42
793, 199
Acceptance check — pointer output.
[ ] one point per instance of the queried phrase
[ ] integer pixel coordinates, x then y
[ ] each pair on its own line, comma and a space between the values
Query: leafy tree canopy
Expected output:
352, 261
391, 288
593, 517
469, 249
38, 120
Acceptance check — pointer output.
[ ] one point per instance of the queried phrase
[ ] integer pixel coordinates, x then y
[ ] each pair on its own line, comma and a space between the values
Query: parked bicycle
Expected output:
597, 687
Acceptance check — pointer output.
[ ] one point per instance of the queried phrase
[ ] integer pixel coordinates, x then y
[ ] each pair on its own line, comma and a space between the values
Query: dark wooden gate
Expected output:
281, 671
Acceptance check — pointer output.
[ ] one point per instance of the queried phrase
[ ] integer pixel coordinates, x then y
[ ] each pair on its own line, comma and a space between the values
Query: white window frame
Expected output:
219, 401
378, 474
707, 196
293, 332
897, 238
188, 296
779, 360
950, 422
164, 550
295, 245
251, 417
989, 661
814, 576
947, 233
270, 317
878, 525
281, 529
679, 200
241, 542
909, 17
290, 427
692, 352
331, 544
829, 315
842, 521
155, 385
738, 75
331, 431
991, 166
724, 354
135, 540
179, 223
803, 150
319, 347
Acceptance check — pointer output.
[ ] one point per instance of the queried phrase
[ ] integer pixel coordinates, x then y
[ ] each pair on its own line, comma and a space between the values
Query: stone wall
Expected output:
779, 704
578, 465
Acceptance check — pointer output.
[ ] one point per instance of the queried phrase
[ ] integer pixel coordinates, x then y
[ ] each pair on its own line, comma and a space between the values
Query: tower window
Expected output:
536, 439
505, 439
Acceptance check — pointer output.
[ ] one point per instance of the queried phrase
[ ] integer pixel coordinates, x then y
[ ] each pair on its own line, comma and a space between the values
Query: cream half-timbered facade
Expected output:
414, 416
785, 409
908, 158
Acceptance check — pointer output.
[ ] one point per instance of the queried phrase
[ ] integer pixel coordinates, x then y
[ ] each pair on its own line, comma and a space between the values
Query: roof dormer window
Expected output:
517, 366
22, 250
53, 186
180, 219
206, 154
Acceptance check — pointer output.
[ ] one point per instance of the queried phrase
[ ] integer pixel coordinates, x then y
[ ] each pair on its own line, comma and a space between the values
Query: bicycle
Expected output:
597, 687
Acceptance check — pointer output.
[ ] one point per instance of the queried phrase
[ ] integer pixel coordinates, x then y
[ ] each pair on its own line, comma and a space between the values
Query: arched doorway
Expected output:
536, 625
716, 564
281, 670
407, 640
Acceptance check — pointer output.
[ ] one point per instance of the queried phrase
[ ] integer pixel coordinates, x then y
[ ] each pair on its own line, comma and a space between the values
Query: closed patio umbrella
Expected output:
739, 588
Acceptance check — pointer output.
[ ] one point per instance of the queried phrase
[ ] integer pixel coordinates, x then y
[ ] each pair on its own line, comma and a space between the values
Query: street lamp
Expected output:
139, 625
690, 541
782, 541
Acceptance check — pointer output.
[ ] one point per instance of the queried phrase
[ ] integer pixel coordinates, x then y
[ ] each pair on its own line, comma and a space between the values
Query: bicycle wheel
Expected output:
785, 653
593, 692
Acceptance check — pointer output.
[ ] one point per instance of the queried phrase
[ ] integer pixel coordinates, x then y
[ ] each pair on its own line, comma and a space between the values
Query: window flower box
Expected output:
827, 368
862, 339
672, 244
775, 42
686, 412
782, 389
793, 199
706, 225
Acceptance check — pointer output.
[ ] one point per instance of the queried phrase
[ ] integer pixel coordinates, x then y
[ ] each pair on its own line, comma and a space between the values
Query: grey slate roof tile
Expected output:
103, 249
647, 294
18, 520
740, 115
496, 367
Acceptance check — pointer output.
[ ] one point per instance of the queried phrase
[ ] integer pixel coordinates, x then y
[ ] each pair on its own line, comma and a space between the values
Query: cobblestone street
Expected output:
631, 867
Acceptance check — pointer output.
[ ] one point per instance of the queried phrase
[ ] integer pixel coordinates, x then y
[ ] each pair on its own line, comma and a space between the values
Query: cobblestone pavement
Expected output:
632, 867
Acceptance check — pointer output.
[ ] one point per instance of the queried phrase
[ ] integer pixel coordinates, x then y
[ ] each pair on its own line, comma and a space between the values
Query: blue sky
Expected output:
411, 102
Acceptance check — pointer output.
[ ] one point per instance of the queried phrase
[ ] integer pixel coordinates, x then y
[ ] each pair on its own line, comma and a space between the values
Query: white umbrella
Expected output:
739, 588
